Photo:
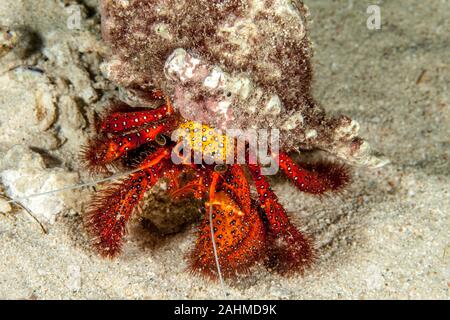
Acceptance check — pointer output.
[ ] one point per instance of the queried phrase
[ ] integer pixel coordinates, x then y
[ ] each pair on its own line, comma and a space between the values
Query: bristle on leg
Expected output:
96, 157
110, 209
239, 232
239, 238
315, 178
288, 249
101, 152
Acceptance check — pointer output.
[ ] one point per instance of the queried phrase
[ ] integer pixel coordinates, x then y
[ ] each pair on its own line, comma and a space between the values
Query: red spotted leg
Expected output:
289, 250
197, 186
123, 118
238, 230
102, 152
111, 208
316, 179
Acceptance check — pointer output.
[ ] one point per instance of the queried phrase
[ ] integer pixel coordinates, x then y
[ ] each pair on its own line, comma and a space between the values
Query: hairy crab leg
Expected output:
318, 178
155, 158
102, 151
197, 186
289, 250
120, 121
111, 208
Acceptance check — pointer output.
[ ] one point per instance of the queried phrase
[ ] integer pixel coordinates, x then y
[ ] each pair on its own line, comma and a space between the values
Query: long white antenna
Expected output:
72, 187
114, 177
213, 240
28, 211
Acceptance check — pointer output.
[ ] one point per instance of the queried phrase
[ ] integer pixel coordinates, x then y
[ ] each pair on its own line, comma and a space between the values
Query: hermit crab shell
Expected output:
233, 64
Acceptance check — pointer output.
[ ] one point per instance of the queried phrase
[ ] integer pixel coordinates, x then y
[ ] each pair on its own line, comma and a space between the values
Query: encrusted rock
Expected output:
26, 174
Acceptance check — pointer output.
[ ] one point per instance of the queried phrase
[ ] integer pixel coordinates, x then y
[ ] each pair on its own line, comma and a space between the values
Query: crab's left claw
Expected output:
239, 232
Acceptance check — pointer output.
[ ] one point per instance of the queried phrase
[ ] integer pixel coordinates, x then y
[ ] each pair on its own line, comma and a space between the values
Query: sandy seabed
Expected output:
386, 237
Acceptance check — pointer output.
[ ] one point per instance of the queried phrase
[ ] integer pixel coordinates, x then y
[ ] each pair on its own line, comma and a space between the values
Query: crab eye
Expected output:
161, 140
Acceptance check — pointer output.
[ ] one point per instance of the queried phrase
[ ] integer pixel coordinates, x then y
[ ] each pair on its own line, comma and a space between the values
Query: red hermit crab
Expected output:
194, 71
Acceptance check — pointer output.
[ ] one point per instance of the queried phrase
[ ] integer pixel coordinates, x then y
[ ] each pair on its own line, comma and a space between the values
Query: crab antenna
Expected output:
211, 227
73, 187
216, 256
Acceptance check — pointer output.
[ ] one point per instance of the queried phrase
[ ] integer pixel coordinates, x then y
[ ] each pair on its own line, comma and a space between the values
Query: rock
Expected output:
5, 206
74, 278
27, 176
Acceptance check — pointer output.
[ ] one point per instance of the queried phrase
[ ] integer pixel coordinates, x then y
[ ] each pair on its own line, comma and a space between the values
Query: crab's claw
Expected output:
104, 151
239, 232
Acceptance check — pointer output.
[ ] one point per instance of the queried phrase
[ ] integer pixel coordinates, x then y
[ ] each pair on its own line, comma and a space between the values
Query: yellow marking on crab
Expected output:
210, 142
